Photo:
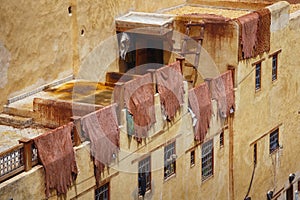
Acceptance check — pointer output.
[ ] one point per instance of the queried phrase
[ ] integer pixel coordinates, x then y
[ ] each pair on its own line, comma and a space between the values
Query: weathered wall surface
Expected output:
38, 38
96, 18
275, 105
46, 43
219, 47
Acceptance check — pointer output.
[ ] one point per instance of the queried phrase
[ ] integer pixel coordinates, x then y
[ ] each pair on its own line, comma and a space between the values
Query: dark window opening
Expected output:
274, 67
222, 139
144, 52
192, 158
207, 160
169, 160
255, 154
144, 176
102, 193
258, 76
274, 140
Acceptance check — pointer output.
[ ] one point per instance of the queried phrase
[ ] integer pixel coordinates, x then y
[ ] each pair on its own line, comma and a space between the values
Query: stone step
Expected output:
15, 121
9, 110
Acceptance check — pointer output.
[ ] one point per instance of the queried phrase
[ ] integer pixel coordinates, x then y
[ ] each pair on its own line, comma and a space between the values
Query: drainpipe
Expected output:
231, 179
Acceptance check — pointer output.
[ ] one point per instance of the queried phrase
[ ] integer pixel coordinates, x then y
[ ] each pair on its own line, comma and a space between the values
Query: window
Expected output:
274, 140
169, 160
255, 153
222, 139
192, 158
144, 176
258, 76
207, 159
102, 193
274, 67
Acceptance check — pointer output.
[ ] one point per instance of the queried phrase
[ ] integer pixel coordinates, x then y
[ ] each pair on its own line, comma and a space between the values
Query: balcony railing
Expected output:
23, 157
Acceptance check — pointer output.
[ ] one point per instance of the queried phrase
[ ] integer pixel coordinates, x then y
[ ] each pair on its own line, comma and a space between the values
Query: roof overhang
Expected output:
145, 23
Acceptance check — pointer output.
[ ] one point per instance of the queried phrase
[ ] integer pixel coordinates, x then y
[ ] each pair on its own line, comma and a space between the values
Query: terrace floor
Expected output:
72, 91
191, 9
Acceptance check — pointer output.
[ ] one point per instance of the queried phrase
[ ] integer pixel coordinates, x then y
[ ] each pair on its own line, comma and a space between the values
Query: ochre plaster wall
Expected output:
38, 38
276, 104
44, 41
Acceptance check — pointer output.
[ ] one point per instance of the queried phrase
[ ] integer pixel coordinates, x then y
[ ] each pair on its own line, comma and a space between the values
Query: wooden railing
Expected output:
11, 162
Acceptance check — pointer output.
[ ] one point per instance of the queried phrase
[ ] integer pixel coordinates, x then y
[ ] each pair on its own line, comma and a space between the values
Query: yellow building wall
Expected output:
258, 112
44, 41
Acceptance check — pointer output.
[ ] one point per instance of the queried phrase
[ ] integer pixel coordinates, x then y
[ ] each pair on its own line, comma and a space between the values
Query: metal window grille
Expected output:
207, 159
145, 168
102, 193
169, 160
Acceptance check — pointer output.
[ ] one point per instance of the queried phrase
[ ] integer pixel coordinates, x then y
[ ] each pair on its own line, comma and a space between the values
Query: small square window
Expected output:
274, 67
169, 160
274, 140
144, 176
102, 193
207, 160
258, 76
192, 158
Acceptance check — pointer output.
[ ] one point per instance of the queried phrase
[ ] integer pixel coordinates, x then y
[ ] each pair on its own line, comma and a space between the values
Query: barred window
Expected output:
207, 159
192, 158
274, 67
258, 76
274, 140
144, 176
169, 160
102, 193
222, 139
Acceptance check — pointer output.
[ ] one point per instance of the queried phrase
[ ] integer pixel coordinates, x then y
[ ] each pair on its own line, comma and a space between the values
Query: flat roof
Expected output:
200, 9
10, 135
294, 7
145, 23
80, 91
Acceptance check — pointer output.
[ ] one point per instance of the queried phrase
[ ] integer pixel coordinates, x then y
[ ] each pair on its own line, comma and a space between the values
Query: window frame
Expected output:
221, 139
142, 164
255, 153
274, 72
167, 166
207, 159
99, 189
271, 141
258, 76
193, 158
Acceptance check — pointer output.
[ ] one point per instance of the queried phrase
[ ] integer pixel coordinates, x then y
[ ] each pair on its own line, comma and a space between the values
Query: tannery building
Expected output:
188, 99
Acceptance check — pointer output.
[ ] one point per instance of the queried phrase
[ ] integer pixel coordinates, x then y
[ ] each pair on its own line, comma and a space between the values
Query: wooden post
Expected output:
232, 69
181, 60
208, 81
231, 149
152, 71
120, 101
27, 154
77, 130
